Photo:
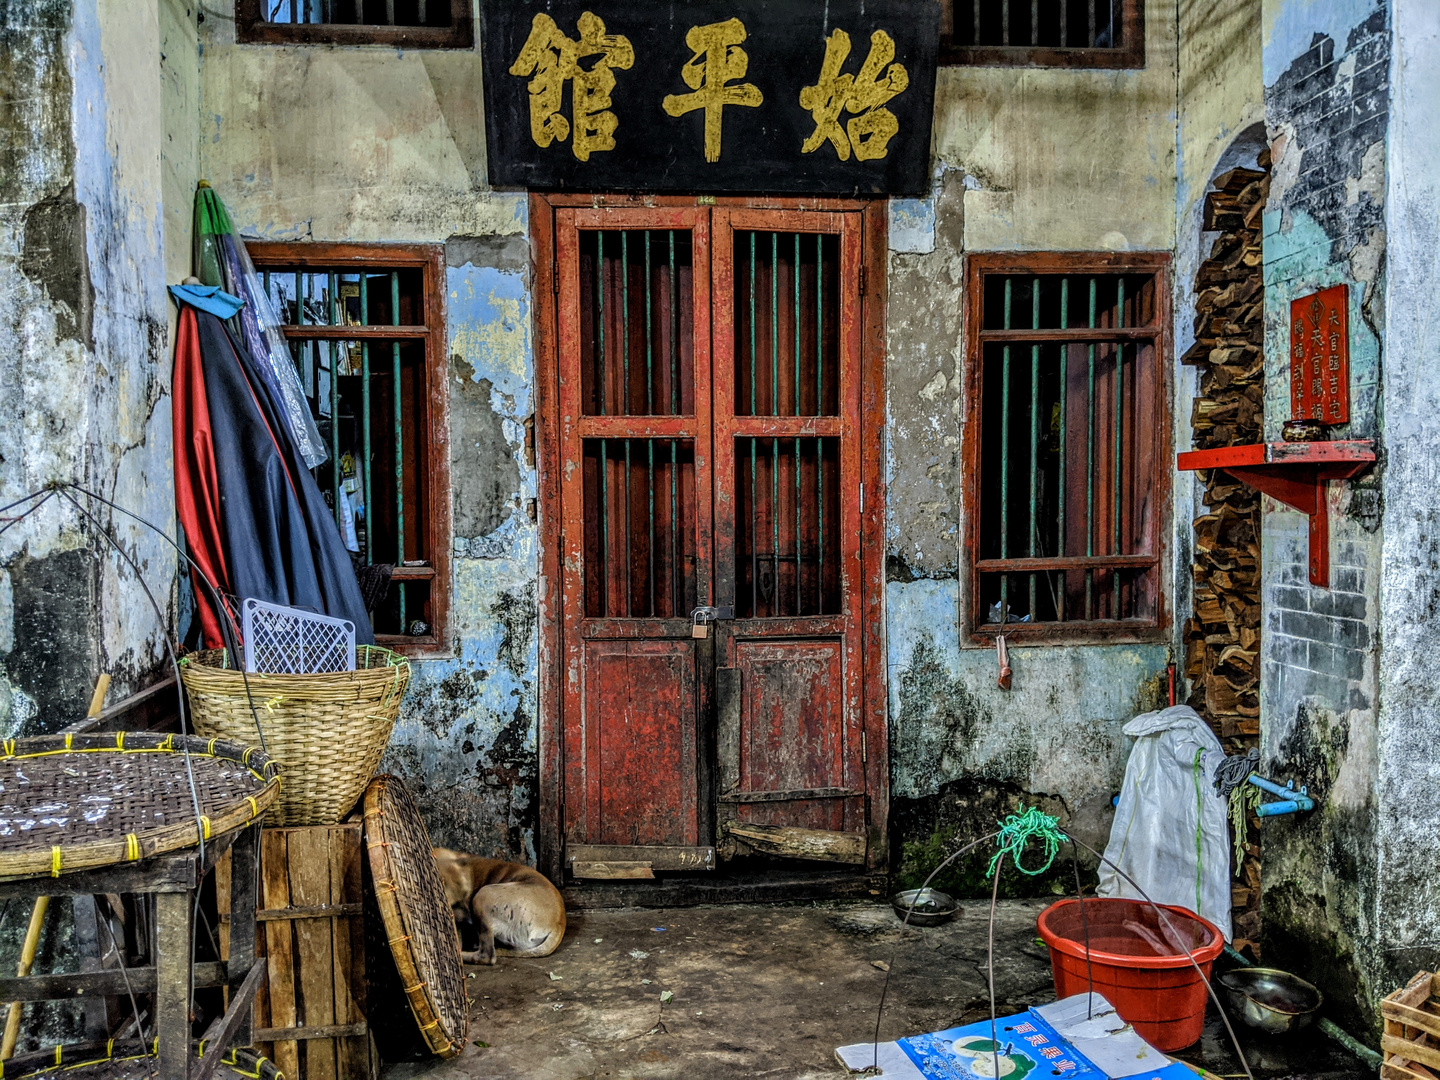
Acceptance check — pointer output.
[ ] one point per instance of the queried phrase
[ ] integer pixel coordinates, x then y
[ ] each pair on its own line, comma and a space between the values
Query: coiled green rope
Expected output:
1016, 832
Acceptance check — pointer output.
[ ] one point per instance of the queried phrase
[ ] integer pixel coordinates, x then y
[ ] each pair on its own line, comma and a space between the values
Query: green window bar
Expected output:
754, 509
335, 477
677, 603
650, 411
1005, 458
365, 450
601, 371
625, 401
399, 446
775, 411
798, 601
820, 407
1090, 463
1034, 430
1063, 488
1115, 500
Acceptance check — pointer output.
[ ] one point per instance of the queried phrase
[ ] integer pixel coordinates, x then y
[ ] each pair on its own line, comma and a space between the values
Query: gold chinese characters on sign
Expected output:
554, 59
1320, 356
714, 74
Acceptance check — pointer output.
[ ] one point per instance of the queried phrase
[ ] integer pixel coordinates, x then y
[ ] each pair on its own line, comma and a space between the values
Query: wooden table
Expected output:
175, 880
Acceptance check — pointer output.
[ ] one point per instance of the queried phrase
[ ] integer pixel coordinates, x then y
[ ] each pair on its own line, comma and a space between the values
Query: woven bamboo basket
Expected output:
327, 731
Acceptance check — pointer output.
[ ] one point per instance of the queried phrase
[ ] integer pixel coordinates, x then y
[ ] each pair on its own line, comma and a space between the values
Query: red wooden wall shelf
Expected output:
1296, 474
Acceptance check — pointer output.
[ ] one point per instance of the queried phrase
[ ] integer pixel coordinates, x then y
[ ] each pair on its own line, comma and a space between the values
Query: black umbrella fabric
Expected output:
281, 541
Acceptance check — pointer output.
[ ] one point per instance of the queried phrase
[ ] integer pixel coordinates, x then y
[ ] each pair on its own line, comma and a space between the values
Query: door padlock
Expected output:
702, 617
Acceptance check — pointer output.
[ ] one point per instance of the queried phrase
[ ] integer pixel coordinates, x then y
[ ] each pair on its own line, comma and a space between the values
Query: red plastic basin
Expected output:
1138, 963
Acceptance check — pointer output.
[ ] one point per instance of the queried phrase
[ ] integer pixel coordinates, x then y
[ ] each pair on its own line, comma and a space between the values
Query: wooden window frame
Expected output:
873, 355
251, 28
435, 517
1078, 632
1130, 55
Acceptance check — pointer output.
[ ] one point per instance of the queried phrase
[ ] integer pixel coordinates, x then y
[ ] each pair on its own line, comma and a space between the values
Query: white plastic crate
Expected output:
288, 641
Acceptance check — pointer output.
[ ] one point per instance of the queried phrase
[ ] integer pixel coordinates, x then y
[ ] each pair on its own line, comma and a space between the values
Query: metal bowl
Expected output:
926, 907
1269, 1000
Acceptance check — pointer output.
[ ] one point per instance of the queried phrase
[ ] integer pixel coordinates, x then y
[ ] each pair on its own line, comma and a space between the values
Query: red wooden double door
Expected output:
714, 592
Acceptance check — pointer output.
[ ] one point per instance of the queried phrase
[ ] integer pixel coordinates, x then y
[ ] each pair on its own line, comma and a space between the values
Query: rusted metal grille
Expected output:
1079, 33
787, 317
368, 395
636, 344
364, 12
1068, 453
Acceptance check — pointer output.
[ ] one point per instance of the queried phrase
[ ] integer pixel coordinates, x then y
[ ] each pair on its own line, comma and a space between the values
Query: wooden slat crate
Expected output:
310, 1011
1412, 1030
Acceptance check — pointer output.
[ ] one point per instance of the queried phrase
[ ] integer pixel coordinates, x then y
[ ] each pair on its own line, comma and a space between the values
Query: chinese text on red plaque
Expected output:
1320, 356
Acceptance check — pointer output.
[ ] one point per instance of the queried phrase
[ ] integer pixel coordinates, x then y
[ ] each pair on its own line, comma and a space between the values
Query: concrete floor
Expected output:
766, 991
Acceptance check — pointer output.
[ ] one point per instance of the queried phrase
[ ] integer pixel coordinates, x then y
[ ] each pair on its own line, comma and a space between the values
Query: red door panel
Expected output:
641, 751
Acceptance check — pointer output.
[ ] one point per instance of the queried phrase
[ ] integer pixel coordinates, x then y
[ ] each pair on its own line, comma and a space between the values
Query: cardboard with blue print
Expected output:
1077, 1038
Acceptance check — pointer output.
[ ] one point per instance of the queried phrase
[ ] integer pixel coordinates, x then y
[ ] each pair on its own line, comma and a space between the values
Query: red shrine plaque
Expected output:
1320, 356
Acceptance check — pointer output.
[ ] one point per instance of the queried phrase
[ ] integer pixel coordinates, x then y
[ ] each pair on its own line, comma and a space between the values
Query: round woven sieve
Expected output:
75, 802
126, 1061
419, 924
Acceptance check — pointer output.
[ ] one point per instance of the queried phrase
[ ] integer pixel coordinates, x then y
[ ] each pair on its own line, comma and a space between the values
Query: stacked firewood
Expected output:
1222, 638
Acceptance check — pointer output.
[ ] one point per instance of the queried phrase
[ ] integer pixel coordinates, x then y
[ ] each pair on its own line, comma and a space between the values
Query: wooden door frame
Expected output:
544, 295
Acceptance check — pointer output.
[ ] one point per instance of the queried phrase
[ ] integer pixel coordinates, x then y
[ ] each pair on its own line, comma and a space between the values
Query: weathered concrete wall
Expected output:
371, 144
1326, 93
84, 366
1039, 160
1409, 723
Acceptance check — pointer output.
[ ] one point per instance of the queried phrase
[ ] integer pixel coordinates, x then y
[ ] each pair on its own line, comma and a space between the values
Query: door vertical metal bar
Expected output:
334, 409
1004, 30
1064, 43
1119, 444
975, 10
795, 268
677, 602
1090, 463
625, 360
1035, 40
1034, 427
399, 447
1005, 451
820, 408
754, 494
365, 412
650, 410
602, 374
1062, 485
775, 411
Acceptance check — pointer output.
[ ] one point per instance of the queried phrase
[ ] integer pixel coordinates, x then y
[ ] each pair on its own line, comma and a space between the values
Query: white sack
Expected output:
1171, 832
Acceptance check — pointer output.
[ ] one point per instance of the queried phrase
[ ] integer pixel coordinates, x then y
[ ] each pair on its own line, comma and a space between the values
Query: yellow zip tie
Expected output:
201, 1052
254, 807
55, 872
69, 739
204, 827
210, 746
119, 740
132, 847
245, 757
432, 1024
393, 940
57, 1045
9, 747
412, 989
168, 744
110, 1048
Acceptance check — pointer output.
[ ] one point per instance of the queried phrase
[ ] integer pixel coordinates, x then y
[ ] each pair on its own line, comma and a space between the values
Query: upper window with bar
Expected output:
1066, 444
1043, 33
412, 24
365, 329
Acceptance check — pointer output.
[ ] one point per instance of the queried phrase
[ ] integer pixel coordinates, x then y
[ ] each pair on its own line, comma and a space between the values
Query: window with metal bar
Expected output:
1066, 441
787, 363
364, 328
636, 318
409, 23
1043, 33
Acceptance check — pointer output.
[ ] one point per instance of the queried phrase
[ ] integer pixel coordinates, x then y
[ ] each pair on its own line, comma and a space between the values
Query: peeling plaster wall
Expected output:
84, 370
1027, 160
84, 366
375, 144
1409, 722
1326, 71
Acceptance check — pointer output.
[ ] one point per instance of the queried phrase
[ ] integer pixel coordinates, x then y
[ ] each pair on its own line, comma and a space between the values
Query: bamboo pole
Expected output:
38, 913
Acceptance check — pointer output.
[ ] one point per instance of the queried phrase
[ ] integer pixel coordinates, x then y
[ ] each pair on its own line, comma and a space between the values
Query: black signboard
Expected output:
808, 96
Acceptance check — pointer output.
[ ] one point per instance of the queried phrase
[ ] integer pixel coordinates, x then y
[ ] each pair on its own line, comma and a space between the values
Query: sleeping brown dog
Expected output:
513, 908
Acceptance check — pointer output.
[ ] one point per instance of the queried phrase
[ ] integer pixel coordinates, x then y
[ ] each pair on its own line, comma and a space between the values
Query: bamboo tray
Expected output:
76, 802
419, 924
